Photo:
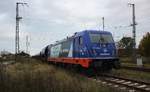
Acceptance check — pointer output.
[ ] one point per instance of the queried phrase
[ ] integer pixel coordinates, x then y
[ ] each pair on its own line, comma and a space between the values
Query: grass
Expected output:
126, 59
143, 76
129, 62
135, 65
35, 76
7, 58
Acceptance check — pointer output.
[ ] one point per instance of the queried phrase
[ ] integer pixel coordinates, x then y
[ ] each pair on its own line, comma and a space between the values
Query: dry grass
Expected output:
143, 76
135, 65
146, 60
33, 76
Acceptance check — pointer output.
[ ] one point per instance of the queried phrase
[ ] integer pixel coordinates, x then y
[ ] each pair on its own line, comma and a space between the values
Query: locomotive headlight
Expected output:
104, 45
105, 50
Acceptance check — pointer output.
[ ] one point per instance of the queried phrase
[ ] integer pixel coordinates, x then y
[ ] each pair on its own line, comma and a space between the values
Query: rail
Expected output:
129, 83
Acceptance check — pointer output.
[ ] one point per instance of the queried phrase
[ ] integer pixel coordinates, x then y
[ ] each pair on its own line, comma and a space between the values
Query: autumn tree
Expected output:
144, 46
126, 44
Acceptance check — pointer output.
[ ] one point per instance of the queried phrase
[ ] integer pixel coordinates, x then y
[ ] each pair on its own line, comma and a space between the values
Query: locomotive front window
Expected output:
103, 38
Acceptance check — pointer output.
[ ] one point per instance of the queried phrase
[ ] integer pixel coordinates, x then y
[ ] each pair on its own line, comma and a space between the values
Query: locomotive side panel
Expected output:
63, 49
55, 50
66, 49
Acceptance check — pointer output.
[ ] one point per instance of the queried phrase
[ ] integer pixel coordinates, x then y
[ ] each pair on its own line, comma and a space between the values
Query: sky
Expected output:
48, 21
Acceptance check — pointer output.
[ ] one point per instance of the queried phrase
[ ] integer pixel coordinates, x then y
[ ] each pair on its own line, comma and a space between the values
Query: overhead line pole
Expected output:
17, 28
18, 18
133, 30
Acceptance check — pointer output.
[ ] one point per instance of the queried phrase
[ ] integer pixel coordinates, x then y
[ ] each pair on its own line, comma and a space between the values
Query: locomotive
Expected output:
89, 49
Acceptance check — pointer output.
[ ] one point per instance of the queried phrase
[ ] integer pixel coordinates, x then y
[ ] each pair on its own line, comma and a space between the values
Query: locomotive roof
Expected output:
76, 34
92, 31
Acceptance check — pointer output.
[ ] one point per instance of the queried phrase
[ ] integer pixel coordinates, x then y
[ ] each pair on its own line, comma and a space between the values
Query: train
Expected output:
88, 49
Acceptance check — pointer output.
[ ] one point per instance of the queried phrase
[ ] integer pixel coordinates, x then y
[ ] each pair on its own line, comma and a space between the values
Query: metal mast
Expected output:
134, 30
18, 18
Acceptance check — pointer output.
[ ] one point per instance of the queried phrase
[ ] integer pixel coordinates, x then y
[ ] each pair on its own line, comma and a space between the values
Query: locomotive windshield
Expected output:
101, 38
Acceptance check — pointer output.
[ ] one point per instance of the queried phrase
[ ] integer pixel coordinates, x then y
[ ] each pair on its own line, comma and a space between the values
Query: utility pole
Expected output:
103, 23
134, 30
18, 18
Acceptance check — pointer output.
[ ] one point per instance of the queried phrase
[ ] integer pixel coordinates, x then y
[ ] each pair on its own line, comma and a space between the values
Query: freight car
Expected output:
92, 49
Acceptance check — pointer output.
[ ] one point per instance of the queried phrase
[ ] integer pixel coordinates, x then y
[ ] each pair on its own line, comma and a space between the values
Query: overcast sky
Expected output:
46, 21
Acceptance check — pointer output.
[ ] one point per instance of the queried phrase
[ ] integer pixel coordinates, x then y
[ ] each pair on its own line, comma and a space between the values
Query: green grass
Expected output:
128, 61
135, 65
35, 76
132, 74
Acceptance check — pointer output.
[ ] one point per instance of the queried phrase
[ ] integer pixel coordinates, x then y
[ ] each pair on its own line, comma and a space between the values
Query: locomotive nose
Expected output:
103, 50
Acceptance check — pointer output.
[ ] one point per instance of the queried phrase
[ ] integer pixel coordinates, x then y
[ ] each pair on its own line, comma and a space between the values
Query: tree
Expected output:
22, 53
144, 46
126, 44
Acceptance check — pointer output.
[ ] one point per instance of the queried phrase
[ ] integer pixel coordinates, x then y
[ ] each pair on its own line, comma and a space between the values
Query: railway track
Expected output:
137, 68
123, 83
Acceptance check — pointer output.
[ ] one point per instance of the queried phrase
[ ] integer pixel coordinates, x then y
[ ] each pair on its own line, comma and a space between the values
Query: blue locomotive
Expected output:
93, 49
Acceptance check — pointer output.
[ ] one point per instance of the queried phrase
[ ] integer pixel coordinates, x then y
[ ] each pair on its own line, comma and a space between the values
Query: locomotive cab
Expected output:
98, 46
102, 45
103, 50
